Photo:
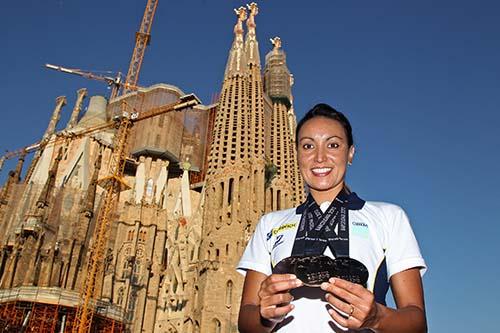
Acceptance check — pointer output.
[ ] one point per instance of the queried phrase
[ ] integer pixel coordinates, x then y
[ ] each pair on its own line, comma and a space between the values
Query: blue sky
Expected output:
419, 80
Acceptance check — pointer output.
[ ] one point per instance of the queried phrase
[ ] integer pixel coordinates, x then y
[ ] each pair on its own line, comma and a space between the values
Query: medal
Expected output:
316, 269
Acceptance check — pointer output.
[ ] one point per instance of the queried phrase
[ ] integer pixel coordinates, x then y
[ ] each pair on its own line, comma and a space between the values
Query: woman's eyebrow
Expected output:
335, 136
330, 137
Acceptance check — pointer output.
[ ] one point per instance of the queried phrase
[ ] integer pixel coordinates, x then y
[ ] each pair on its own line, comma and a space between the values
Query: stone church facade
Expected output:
199, 181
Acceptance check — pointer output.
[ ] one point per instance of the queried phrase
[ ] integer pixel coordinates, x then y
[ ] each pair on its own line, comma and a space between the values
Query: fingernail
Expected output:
298, 282
292, 276
327, 296
324, 285
330, 311
332, 280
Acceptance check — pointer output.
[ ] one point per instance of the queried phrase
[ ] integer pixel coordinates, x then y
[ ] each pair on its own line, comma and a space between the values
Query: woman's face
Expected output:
323, 153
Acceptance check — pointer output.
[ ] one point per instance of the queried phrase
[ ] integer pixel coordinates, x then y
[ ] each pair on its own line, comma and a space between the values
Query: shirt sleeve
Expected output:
402, 251
257, 255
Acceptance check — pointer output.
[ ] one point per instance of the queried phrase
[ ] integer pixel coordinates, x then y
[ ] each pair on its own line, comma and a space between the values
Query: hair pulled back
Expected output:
325, 110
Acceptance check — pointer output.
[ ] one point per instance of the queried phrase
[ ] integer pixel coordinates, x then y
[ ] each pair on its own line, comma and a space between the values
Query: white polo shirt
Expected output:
380, 236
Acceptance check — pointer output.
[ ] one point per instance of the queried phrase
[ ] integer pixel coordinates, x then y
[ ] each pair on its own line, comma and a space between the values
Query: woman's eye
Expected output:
307, 146
333, 145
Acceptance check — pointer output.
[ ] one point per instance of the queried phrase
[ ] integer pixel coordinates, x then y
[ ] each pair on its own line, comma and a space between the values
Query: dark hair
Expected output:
325, 110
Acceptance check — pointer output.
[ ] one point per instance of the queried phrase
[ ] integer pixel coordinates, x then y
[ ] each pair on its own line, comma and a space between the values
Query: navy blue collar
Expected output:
351, 200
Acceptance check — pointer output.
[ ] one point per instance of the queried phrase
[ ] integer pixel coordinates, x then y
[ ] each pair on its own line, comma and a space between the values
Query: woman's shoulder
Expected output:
384, 210
382, 205
280, 216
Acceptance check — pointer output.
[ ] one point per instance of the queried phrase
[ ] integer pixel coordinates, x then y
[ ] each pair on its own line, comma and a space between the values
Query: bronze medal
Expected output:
316, 269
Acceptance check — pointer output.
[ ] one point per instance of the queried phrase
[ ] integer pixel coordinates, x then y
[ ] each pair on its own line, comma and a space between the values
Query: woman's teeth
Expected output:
321, 170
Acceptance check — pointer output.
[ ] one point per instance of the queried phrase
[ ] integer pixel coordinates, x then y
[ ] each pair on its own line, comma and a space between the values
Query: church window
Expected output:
165, 258
216, 326
229, 293
230, 191
142, 235
149, 188
221, 195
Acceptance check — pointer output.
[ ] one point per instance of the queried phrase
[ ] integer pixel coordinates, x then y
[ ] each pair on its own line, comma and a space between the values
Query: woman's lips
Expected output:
321, 172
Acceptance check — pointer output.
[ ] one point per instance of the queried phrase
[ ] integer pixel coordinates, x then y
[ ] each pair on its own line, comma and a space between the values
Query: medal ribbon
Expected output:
317, 230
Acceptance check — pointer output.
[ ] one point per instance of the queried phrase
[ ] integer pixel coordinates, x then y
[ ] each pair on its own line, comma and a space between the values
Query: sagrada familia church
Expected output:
198, 182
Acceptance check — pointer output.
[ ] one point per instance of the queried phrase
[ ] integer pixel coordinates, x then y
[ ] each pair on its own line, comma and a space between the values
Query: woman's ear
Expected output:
350, 156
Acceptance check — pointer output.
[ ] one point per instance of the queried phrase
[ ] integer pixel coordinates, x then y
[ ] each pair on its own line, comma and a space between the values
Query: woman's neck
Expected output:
328, 195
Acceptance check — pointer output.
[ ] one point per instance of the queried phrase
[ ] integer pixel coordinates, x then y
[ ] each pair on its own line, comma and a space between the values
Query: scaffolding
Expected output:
51, 310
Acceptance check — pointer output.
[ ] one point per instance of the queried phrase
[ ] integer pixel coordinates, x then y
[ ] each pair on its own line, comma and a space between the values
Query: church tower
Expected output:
235, 193
286, 188
253, 140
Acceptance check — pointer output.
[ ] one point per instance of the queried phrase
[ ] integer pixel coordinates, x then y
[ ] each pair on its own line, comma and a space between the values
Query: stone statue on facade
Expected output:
242, 16
276, 41
254, 10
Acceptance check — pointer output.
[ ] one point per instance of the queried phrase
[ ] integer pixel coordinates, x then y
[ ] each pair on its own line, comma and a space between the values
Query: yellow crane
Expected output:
113, 184
114, 82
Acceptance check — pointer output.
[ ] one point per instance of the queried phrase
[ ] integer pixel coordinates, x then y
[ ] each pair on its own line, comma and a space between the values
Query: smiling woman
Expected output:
324, 148
329, 270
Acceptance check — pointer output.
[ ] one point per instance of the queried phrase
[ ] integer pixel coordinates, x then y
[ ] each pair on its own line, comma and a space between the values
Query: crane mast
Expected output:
113, 184
142, 38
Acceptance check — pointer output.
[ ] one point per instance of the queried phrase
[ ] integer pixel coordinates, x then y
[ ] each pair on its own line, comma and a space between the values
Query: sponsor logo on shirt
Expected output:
360, 229
279, 241
280, 229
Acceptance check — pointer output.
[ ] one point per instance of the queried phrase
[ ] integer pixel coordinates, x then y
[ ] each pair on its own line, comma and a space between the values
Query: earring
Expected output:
349, 163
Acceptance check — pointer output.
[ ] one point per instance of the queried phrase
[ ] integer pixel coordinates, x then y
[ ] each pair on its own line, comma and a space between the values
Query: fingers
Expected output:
275, 297
275, 312
349, 322
277, 283
351, 293
353, 300
340, 305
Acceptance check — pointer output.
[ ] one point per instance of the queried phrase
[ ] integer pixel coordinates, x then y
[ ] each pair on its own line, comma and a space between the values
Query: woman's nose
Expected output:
320, 155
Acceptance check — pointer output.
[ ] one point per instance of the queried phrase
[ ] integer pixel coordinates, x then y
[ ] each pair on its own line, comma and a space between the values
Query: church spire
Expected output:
56, 114
236, 63
44, 197
277, 77
89, 201
251, 44
286, 188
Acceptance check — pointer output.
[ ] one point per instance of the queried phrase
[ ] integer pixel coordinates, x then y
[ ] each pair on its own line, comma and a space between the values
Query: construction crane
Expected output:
114, 82
142, 39
18, 152
63, 135
113, 184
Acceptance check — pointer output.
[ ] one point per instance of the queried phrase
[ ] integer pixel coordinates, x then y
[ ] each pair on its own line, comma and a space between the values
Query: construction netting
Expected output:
176, 136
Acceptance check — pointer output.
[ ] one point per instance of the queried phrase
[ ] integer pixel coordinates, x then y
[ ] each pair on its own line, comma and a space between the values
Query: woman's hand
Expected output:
362, 311
265, 301
275, 297
354, 300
